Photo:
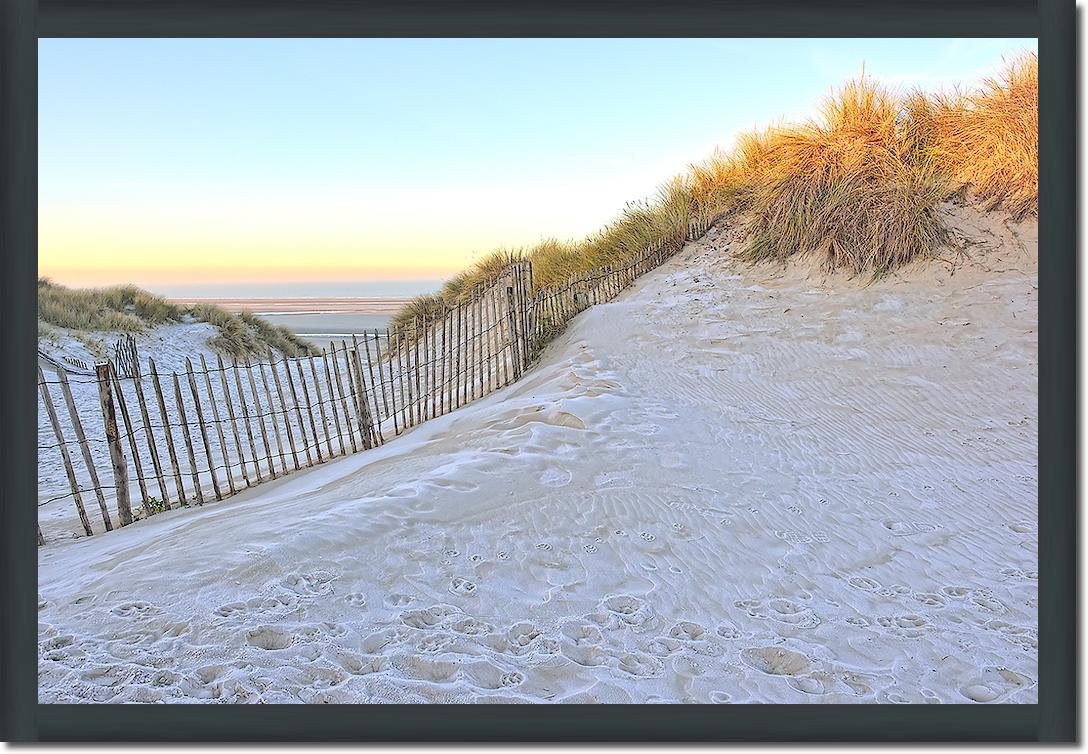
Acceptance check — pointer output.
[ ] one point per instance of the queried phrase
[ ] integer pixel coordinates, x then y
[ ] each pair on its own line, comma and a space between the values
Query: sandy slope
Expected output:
731, 484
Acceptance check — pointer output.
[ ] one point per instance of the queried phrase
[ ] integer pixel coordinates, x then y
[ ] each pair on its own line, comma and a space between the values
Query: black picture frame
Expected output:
1053, 719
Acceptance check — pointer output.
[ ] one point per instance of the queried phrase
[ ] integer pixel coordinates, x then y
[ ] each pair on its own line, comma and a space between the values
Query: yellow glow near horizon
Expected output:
162, 235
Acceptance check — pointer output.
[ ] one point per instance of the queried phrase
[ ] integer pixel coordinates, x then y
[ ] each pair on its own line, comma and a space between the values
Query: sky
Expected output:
341, 167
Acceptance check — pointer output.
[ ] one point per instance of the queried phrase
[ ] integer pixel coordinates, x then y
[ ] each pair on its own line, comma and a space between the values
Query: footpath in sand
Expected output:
730, 484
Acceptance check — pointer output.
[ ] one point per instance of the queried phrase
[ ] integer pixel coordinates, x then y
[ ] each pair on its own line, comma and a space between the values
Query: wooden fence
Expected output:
206, 432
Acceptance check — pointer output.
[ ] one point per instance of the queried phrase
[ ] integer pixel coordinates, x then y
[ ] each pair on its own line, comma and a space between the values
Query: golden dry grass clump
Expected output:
843, 187
985, 141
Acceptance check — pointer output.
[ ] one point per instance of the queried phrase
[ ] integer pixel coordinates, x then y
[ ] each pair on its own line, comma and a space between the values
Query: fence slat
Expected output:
225, 384
309, 410
188, 440
149, 436
512, 323
376, 416
447, 367
171, 449
369, 435
84, 448
63, 446
286, 411
393, 382
246, 421
280, 448
260, 419
130, 431
218, 424
343, 400
321, 407
298, 410
203, 428
332, 404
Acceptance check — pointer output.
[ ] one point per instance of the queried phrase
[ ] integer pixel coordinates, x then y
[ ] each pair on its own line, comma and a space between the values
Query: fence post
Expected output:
169, 434
84, 448
203, 428
513, 325
218, 424
330, 373
113, 439
375, 386
298, 410
233, 420
187, 435
68, 468
131, 434
272, 413
253, 452
286, 411
150, 437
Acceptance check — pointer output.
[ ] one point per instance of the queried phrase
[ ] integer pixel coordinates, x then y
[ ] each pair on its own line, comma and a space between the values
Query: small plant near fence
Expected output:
211, 431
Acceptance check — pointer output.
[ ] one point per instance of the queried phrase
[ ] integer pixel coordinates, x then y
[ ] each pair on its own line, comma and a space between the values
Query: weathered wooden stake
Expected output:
369, 435
343, 399
376, 416
247, 422
203, 428
513, 327
321, 407
188, 440
332, 404
175, 466
149, 436
218, 424
260, 419
84, 448
309, 410
286, 411
131, 434
63, 446
298, 410
280, 449
224, 383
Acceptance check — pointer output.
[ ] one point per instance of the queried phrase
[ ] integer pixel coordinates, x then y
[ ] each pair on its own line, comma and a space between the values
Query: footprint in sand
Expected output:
780, 610
396, 599
309, 584
462, 587
776, 661
270, 638
993, 684
555, 477
134, 609
472, 627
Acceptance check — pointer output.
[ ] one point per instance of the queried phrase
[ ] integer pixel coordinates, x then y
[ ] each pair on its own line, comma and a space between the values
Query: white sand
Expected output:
730, 484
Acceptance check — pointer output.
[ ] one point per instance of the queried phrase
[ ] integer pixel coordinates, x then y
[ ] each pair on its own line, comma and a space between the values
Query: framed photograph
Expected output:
393, 361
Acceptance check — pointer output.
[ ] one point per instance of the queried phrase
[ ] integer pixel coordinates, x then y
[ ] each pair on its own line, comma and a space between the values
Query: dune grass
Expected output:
131, 309
842, 186
860, 185
986, 141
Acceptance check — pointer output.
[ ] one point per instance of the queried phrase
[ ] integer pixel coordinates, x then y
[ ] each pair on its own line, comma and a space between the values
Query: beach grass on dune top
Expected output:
131, 309
843, 186
986, 141
859, 185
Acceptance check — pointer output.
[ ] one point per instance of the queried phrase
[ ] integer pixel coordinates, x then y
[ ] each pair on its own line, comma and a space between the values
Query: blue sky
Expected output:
197, 165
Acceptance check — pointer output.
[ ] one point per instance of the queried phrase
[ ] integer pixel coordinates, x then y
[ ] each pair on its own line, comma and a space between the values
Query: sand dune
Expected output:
731, 484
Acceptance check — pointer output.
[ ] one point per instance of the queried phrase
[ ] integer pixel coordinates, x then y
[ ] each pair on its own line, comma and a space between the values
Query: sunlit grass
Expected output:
986, 141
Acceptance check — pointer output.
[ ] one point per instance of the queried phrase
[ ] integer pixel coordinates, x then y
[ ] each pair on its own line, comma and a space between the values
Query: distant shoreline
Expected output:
380, 305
